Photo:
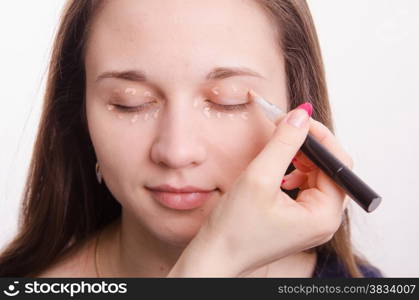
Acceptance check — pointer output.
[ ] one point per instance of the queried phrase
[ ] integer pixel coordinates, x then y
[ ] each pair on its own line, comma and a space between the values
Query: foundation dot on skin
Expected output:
207, 112
244, 116
120, 116
215, 90
146, 117
147, 94
130, 91
155, 114
134, 118
218, 115
231, 116
195, 103
110, 107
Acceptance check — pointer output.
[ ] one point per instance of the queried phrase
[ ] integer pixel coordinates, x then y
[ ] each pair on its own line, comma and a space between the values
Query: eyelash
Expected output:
131, 109
219, 107
235, 107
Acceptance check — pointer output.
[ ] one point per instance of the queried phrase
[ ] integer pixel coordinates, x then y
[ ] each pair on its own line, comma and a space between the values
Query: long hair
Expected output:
63, 205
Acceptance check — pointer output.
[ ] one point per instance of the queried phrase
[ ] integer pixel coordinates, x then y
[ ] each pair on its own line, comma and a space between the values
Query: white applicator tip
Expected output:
272, 111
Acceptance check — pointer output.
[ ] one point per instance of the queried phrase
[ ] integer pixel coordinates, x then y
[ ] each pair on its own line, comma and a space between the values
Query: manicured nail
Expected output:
307, 107
299, 117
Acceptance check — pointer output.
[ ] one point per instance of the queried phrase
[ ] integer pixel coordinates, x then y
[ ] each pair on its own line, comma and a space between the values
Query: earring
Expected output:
98, 174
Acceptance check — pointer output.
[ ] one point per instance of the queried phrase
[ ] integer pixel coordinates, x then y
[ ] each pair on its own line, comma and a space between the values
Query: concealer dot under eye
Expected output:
227, 101
145, 106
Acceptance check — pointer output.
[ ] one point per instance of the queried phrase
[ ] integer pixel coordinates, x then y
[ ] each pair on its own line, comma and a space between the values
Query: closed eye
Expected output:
216, 106
230, 108
130, 109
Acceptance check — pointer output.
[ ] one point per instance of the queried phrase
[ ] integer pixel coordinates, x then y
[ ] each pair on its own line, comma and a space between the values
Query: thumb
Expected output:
271, 163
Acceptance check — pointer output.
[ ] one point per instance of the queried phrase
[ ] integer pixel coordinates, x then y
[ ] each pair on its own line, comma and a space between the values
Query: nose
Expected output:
179, 141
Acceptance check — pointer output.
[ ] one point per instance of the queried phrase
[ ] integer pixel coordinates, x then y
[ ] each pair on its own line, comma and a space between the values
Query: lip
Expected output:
185, 189
184, 198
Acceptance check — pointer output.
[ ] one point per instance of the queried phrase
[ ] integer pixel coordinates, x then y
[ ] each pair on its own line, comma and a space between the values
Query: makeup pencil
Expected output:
357, 189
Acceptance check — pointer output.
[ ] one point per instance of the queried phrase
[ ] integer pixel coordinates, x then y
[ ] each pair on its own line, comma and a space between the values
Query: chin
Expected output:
178, 233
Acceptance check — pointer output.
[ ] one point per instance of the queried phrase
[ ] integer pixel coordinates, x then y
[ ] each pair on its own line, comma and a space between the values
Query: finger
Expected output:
302, 163
345, 203
272, 162
294, 180
322, 134
329, 212
333, 200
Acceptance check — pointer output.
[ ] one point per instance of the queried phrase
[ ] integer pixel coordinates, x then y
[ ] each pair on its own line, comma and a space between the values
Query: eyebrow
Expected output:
216, 74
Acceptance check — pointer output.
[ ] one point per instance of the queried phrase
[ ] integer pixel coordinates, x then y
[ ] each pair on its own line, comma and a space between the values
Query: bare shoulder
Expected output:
78, 264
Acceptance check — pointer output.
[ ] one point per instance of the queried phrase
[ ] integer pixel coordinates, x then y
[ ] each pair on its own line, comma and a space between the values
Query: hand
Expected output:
255, 222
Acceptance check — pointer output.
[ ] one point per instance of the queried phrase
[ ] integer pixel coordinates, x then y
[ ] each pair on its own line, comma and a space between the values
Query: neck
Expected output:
127, 249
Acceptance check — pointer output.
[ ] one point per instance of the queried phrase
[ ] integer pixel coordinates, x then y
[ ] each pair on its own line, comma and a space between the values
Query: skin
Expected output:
176, 44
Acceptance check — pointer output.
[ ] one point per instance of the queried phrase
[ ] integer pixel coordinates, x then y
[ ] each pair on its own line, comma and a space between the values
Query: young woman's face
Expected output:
175, 62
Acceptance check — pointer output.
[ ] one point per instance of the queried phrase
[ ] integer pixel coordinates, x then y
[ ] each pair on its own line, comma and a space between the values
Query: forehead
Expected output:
180, 39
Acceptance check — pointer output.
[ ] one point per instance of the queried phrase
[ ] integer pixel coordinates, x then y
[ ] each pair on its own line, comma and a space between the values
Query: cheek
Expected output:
234, 145
119, 148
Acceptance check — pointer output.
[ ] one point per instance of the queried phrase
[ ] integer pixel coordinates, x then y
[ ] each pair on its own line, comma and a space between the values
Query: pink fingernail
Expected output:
307, 107
283, 180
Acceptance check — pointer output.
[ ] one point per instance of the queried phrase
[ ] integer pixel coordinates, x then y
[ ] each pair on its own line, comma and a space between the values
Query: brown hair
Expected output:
63, 205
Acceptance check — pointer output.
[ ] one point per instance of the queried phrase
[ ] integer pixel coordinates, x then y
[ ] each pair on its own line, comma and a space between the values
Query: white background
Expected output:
370, 49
